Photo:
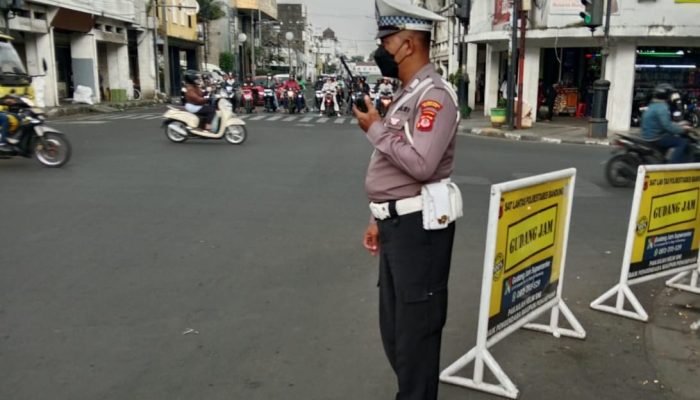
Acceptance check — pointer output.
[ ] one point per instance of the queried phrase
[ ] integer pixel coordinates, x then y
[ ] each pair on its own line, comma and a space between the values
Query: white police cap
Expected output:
396, 15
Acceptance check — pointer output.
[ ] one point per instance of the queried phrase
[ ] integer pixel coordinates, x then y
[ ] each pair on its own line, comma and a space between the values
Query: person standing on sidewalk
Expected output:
414, 146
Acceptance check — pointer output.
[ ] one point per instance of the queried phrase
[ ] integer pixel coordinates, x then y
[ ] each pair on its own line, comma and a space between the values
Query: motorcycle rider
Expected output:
385, 88
272, 85
195, 101
657, 125
291, 84
330, 86
4, 130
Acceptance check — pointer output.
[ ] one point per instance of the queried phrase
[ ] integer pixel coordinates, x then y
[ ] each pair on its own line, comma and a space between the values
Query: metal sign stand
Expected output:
622, 290
480, 354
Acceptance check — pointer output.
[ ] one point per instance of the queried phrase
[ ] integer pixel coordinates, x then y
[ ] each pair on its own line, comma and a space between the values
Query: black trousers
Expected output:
414, 267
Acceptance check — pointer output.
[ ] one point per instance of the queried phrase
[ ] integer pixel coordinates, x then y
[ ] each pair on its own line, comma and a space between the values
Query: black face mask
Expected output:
386, 63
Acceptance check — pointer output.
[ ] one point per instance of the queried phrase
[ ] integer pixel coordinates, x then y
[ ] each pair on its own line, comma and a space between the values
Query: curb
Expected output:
57, 112
497, 133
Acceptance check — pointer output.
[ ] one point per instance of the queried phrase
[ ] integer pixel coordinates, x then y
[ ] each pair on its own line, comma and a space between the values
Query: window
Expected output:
39, 15
189, 21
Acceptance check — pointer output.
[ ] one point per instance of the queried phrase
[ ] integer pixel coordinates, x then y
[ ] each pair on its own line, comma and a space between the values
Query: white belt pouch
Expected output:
442, 204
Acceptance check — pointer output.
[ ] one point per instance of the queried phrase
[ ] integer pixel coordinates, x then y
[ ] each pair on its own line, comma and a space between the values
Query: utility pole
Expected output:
510, 114
521, 68
166, 49
155, 45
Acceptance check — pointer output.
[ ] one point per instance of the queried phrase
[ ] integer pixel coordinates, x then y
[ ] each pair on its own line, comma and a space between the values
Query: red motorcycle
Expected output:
247, 98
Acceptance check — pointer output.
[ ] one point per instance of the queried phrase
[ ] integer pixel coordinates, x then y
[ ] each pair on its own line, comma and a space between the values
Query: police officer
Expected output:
414, 145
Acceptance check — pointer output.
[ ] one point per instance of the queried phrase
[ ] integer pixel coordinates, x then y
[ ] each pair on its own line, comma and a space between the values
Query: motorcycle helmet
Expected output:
663, 91
191, 77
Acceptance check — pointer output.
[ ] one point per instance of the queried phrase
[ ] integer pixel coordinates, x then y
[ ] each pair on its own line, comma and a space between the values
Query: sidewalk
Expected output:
568, 130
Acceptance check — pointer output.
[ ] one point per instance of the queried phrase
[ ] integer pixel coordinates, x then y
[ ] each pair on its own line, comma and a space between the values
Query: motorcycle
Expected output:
328, 103
269, 97
692, 111
633, 151
32, 138
639, 105
319, 99
181, 125
247, 99
295, 101
385, 99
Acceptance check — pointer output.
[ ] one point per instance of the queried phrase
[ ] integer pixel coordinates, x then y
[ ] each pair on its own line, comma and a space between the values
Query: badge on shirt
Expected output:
426, 121
428, 111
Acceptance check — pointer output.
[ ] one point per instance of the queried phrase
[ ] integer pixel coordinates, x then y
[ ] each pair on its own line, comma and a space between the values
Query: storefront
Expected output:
677, 66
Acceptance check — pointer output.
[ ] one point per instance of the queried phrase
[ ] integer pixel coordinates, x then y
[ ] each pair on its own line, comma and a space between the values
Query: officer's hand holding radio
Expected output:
367, 118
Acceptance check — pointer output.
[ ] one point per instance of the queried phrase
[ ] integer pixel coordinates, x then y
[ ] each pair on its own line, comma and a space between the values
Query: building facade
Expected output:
104, 45
651, 42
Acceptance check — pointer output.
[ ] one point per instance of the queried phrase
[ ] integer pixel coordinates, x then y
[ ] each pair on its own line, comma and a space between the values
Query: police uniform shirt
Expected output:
427, 108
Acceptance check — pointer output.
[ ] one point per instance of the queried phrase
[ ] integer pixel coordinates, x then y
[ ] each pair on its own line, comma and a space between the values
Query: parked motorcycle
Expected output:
181, 125
692, 111
32, 138
633, 151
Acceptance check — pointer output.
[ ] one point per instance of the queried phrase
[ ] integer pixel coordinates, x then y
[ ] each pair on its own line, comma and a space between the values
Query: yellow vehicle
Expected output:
13, 77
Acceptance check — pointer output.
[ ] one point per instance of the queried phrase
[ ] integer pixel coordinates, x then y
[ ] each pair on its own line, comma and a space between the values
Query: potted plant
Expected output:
498, 114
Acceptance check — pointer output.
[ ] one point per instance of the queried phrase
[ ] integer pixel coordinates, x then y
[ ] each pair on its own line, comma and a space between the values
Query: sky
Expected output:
352, 21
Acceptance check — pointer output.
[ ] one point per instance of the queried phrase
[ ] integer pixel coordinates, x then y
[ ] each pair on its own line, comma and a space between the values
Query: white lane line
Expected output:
305, 119
321, 120
121, 116
79, 122
257, 118
275, 118
154, 116
339, 121
288, 119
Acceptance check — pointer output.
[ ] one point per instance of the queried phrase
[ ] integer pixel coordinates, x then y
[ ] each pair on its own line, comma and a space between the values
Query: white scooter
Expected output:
181, 125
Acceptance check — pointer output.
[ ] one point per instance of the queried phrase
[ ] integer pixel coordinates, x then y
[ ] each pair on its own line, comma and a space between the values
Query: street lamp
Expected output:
242, 37
289, 36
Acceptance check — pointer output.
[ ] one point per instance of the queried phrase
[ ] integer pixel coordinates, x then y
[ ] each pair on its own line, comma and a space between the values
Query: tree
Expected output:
226, 61
209, 10
357, 59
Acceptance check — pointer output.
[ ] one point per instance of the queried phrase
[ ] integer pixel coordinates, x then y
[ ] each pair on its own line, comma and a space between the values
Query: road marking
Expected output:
257, 118
339, 121
120, 116
81, 122
321, 120
305, 119
154, 116
305, 125
275, 118
288, 119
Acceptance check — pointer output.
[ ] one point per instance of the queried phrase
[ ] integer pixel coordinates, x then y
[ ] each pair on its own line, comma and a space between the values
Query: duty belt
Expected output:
396, 208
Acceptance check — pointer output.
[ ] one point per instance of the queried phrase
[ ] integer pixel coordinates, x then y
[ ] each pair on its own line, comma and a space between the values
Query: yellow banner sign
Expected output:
529, 248
668, 223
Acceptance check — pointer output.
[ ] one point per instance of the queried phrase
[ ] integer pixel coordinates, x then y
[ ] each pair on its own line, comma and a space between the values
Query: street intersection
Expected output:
146, 269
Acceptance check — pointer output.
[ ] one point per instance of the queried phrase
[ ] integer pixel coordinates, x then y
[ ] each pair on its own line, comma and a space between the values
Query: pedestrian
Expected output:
414, 148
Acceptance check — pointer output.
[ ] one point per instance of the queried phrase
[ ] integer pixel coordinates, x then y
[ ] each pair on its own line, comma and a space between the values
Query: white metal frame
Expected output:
622, 290
480, 354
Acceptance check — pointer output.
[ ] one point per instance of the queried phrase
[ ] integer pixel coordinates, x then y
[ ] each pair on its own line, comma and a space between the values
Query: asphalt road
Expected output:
146, 269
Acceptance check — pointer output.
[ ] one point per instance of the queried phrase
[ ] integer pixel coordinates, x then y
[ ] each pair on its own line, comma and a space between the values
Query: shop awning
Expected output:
72, 20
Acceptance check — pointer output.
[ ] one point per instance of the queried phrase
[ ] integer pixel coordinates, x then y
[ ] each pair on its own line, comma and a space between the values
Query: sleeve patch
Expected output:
426, 121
